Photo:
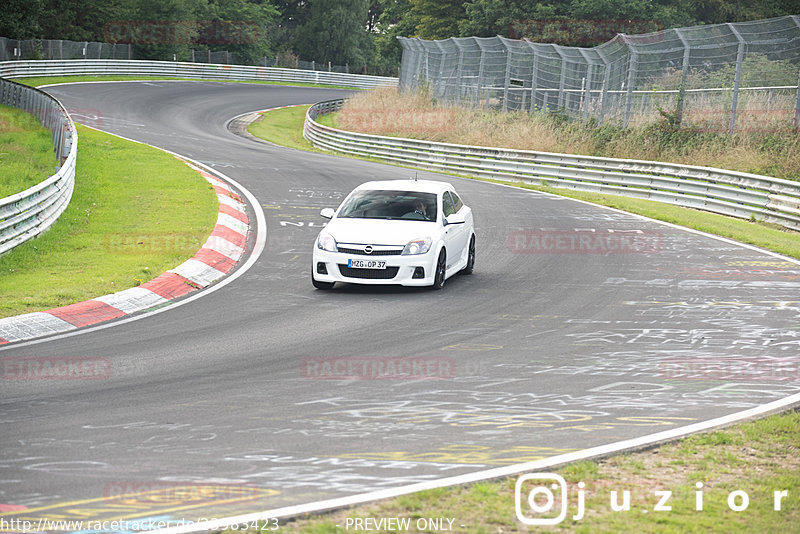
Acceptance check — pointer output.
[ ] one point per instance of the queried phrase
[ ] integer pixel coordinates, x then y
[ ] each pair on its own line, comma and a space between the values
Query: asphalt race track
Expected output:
536, 354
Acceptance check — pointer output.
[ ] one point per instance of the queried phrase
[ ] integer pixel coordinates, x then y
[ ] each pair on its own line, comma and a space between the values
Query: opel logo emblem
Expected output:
368, 249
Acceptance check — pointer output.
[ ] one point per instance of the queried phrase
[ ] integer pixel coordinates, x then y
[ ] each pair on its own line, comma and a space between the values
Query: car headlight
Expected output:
326, 242
418, 246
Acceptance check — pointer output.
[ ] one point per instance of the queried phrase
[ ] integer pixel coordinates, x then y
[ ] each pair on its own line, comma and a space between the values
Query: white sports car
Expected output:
406, 232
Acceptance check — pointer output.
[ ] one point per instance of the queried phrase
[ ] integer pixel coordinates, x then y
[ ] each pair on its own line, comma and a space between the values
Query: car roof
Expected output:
424, 186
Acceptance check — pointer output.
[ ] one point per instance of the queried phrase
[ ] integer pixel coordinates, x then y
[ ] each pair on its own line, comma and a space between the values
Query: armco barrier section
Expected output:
119, 67
31, 212
721, 191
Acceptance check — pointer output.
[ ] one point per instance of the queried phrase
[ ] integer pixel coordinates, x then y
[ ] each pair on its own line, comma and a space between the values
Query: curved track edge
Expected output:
211, 268
593, 453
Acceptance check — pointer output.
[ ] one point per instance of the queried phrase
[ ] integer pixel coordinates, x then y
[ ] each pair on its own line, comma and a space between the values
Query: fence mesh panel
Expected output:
13, 49
725, 77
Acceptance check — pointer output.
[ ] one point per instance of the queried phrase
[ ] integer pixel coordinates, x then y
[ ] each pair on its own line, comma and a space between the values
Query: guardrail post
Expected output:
737, 77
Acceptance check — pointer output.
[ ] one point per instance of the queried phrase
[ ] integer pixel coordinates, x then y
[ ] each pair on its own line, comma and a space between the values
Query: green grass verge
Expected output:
282, 126
27, 156
279, 126
49, 80
135, 213
757, 457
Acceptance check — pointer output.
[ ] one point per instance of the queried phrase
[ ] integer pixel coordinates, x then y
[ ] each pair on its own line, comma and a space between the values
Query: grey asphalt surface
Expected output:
541, 353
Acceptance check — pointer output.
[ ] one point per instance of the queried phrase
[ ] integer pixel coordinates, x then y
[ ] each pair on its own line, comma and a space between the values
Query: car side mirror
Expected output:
455, 218
328, 213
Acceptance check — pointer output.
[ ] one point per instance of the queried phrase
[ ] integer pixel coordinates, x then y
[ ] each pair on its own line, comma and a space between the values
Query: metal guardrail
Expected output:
29, 213
101, 67
721, 191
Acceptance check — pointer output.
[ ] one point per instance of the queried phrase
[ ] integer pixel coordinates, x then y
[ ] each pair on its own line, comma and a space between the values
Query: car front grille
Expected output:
371, 274
361, 252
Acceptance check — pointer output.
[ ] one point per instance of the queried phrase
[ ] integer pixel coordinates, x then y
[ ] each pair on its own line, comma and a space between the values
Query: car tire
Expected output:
470, 257
321, 285
440, 272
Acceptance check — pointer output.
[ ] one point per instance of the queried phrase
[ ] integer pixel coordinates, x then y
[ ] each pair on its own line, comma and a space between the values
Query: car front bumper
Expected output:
399, 269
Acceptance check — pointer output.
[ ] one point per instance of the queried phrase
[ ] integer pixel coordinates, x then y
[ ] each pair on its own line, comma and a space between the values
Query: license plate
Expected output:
366, 264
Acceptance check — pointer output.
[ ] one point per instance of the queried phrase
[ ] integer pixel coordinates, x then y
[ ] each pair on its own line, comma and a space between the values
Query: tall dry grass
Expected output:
773, 151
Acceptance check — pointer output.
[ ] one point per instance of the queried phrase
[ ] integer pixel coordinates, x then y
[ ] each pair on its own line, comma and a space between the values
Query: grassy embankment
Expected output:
26, 151
135, 213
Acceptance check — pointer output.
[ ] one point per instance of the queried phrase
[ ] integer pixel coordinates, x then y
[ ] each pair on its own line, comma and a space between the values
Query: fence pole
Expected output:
632, 66
684, 75
587, 81
797, 104
480, 74
604, 88
737, 77
507, 80
534, 74
459, 69
563, 78
441, 87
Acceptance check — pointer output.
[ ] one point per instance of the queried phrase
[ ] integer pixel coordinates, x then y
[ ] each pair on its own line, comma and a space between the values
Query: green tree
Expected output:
437, 19
20, 19
180, 14
241, 27
336, 31
487, 18
394, 21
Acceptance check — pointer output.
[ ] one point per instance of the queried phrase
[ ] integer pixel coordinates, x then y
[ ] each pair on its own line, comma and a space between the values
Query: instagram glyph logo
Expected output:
535, 498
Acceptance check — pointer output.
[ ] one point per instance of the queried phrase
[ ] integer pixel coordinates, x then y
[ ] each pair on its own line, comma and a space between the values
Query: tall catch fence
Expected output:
726, 77
56, 49
13, 49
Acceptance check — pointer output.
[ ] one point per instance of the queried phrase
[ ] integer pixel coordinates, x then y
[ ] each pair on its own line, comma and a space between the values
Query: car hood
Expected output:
379, 231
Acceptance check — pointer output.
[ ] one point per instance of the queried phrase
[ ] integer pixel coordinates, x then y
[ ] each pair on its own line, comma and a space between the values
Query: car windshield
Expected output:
394, 205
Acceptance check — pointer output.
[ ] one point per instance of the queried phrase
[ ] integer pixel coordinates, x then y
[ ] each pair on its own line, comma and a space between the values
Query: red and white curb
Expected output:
218, 256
